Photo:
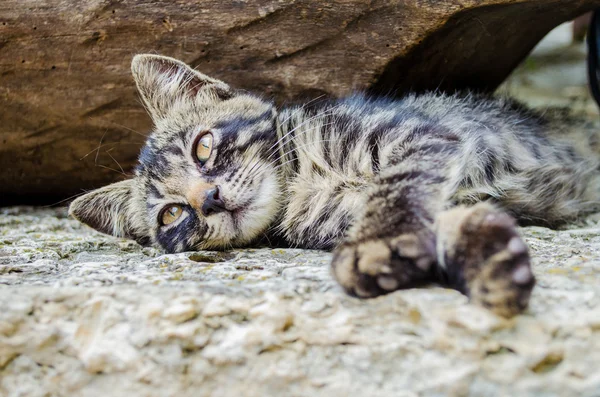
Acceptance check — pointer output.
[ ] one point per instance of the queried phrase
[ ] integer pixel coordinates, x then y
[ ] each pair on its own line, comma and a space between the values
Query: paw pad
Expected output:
378, 266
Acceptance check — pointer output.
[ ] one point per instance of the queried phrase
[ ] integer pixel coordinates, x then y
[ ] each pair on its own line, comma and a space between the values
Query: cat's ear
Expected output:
112, 210
163, 81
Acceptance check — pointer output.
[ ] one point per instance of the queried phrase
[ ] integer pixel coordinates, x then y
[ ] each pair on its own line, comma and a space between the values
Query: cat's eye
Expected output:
204, 148
170, 214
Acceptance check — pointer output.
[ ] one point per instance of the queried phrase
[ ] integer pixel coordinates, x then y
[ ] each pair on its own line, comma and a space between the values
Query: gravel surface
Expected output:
83, 314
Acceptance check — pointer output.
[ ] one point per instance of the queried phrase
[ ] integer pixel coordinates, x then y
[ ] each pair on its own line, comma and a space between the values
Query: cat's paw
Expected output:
378, 266
485, 258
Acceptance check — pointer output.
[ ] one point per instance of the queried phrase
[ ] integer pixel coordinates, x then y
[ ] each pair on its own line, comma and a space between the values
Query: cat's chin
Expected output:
251, 221
254, 217
248, 224
238, 228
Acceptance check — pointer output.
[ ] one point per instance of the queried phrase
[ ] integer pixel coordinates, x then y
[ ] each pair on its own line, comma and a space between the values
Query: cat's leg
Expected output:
392, 243
405, 238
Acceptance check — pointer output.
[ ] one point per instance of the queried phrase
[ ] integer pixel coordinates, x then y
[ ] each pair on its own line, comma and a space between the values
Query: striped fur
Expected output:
467, 148
356, 172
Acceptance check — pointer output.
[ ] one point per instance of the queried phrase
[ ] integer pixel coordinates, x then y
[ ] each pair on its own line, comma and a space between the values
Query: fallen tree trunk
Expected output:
69, 114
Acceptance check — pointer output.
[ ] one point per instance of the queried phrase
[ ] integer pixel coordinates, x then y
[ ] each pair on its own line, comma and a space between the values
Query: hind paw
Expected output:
485, 258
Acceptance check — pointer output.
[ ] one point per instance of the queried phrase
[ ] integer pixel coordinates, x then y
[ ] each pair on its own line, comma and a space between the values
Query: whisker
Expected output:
282, 164
268, 239
112, 169
65, 199
100, 144
271, 153
304, 122
297, 148
122, 171
296, 111
108, 144
284, 154
118, 125
322, 126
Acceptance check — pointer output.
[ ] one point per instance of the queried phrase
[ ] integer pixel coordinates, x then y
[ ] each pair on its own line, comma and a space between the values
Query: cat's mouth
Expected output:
240, 213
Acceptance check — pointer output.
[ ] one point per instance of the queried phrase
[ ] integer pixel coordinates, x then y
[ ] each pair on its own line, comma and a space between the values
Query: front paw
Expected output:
378, 266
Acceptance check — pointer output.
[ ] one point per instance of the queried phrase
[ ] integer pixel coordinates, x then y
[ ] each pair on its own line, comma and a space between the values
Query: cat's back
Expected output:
335, 149
359, 134
457, 112
360, 115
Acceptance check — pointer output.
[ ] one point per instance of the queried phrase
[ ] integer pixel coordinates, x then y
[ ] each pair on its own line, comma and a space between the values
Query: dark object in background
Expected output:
70, 118
593, 43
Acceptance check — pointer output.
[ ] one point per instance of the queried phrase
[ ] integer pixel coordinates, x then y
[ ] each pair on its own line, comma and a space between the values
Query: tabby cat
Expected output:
410, 191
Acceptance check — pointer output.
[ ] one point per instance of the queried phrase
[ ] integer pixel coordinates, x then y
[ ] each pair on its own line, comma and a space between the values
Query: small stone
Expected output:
179, 313
216, 307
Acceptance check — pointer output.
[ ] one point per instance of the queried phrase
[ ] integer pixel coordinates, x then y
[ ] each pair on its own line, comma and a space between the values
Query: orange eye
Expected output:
170, 214
204, 148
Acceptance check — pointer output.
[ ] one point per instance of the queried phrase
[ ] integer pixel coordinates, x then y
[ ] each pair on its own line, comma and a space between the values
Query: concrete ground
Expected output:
83, 314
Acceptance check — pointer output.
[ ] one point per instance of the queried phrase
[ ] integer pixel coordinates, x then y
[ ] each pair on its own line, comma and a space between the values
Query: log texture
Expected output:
70, 118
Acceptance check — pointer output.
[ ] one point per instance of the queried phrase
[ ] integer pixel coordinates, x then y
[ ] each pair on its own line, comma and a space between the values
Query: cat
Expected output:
426, 188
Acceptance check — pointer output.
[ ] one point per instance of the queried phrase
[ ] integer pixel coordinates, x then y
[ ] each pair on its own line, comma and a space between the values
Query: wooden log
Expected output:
70, 118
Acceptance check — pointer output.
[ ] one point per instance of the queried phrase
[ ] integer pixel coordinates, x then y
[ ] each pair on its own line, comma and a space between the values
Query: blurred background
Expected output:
555, 72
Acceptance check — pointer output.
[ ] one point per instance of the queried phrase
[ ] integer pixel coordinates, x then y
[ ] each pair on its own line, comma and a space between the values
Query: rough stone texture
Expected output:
68, 109
89, 315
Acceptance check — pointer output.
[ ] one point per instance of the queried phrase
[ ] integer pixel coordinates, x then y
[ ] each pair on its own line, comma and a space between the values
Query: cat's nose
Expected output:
213, 204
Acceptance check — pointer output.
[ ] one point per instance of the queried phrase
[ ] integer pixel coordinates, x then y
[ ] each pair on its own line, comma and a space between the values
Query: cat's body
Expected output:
381, 181
481, 149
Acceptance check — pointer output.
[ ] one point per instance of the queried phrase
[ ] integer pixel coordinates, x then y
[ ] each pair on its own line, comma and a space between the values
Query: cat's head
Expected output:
205, 177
